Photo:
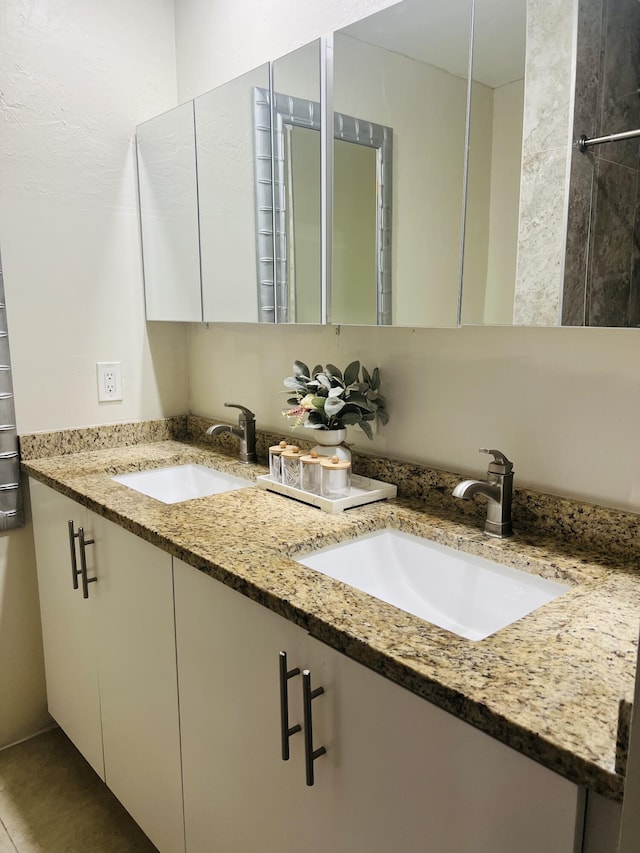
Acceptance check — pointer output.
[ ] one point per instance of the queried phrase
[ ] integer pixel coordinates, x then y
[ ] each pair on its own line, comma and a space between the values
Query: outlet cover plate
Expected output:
109, 377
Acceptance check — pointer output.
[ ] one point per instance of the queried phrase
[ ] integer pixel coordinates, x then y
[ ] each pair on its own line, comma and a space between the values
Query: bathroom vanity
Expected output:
168, 675
110, 658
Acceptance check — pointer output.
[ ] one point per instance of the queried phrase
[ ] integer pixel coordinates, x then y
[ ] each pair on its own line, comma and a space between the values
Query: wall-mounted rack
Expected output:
11, 500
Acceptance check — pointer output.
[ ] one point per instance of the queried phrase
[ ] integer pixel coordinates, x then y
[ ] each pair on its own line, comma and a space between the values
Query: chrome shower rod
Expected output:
584, 142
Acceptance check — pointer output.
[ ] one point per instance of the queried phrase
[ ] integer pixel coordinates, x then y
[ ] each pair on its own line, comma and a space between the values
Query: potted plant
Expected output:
327, 400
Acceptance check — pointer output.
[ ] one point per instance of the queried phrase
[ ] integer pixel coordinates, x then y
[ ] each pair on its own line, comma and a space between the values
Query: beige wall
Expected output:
353, 286
216, 41
506, 160
75, 79
304, 253
562, 403
478, 207
493, 192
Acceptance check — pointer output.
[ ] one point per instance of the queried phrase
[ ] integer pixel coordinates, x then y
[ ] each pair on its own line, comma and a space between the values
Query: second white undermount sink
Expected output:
181, 482
468, 595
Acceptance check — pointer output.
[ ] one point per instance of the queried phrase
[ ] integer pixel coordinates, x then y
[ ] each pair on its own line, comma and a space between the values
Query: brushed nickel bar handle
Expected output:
72, 548
310, 754
285, 730
83, 562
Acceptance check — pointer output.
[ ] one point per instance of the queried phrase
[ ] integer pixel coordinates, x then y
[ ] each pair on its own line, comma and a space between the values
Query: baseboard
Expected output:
30, 737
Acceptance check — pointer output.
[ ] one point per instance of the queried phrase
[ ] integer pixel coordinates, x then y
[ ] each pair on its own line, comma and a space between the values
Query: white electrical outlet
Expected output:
109, 381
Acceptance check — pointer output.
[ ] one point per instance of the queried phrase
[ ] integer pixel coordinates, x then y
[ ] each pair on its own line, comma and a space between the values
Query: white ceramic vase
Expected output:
329, 443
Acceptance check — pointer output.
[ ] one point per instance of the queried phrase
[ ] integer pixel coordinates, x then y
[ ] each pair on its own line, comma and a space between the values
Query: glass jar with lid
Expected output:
291, 466
275, 459
310, 472
335, 477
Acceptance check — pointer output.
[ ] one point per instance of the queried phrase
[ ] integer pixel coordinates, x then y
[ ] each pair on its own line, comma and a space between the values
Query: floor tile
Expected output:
6, 845
51, 801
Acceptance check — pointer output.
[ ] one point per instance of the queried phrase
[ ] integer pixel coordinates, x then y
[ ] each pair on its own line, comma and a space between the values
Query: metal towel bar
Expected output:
584, 142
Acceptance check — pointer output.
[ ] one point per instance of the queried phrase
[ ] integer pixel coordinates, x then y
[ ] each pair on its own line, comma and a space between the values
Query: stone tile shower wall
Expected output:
11, 507
602, 267
545, 168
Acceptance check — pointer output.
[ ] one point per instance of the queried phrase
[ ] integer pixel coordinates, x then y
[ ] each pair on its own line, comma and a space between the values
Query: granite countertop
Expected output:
549, 685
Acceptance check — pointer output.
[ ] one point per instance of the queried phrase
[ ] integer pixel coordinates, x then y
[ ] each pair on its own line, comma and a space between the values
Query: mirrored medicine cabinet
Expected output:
452, 200
209, 206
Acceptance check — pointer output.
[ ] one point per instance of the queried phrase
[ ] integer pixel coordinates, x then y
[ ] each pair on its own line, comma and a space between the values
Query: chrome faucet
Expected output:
245, 431
498, 489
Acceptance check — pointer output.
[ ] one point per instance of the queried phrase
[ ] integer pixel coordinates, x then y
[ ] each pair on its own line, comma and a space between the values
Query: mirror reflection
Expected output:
495, 154
355, 226
226, 190
362, 221
169, 215
601, 277
556, 227
363, 159
297, 186
404, 69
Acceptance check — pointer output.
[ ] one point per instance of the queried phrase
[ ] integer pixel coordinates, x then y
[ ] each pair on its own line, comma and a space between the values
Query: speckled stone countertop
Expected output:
549, 685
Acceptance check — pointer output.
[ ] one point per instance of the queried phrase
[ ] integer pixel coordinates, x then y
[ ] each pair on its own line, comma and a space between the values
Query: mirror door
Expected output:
169, 215
400, 76
229, 197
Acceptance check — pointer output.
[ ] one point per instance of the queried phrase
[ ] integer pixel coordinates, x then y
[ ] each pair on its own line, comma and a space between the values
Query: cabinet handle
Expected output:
286, 732
310, 754
83, 562
72, 547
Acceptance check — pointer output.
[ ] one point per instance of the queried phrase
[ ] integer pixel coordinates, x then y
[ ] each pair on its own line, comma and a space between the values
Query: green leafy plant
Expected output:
325, 398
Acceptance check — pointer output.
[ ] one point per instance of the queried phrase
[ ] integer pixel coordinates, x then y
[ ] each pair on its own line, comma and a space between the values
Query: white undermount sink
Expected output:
181, 482
468, 595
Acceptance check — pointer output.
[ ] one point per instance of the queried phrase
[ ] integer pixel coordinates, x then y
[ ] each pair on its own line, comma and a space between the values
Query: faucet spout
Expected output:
497, 489
218, 428
468, 488
245, 431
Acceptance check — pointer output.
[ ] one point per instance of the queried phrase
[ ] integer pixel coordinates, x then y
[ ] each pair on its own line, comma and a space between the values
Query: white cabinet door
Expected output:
110, 660
398, 773
138, 687
239, 795
401, 774
67, 624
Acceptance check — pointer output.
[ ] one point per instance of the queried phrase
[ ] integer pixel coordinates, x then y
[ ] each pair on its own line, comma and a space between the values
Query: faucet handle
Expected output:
246, 414
500, 464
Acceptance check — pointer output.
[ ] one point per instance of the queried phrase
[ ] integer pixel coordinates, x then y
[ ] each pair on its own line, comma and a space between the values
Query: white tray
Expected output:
363, 491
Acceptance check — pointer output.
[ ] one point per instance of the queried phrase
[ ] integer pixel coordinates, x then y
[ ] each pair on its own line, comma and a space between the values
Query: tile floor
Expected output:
51, 801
